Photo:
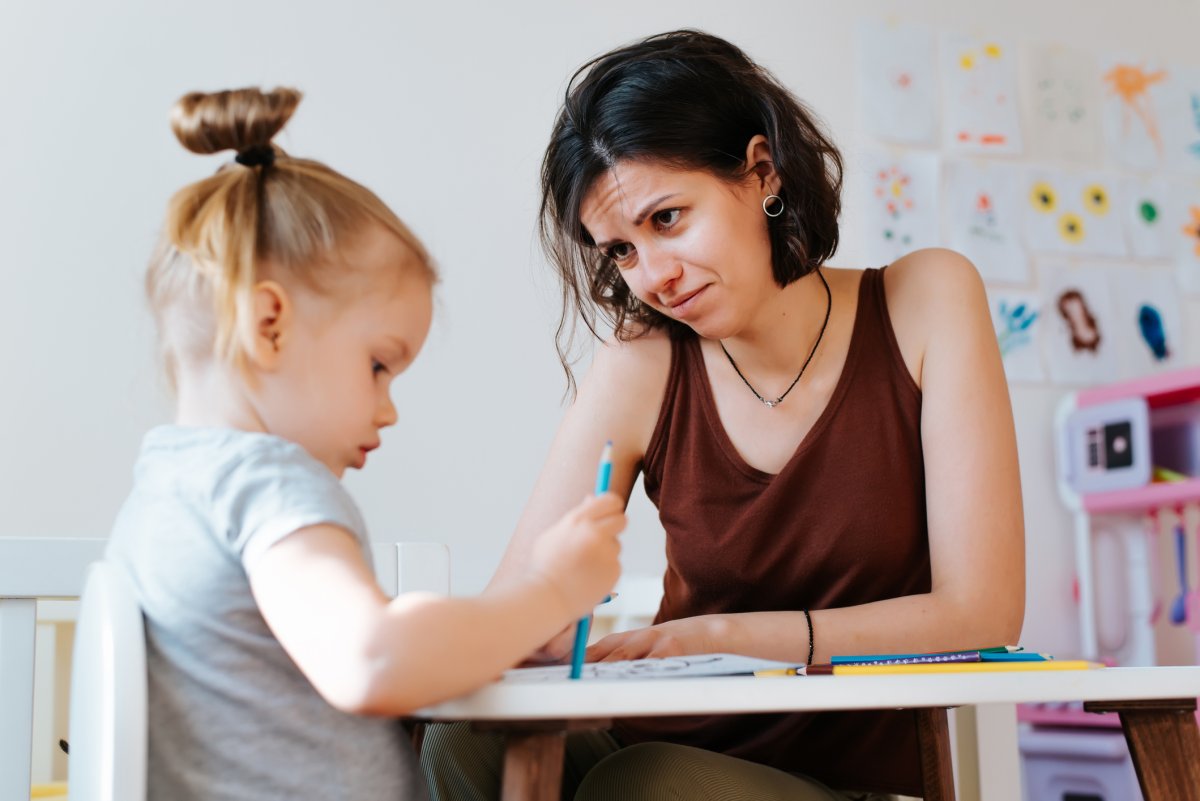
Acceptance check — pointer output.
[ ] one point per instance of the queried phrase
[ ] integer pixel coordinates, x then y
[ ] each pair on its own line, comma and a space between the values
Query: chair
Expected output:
108, 692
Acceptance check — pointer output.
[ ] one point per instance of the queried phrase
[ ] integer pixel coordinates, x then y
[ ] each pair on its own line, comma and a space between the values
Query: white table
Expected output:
1156, 705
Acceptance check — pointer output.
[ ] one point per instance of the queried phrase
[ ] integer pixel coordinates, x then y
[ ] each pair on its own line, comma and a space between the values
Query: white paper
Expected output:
1074, 213
901, 195
1135, 95
1079, 333
1147, 220
674, 667
983, 217
1061, 99
1017, 319
897, 82
981, 106
1183, 225
1181, 121
1148, 325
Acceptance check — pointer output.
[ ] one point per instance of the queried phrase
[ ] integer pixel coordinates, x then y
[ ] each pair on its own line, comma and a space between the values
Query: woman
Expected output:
831, 450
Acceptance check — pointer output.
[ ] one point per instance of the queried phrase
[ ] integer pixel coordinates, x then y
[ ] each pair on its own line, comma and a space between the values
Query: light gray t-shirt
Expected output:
231, 716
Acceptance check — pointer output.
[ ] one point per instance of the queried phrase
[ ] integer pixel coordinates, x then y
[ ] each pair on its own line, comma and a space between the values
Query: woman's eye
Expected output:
666, 218
620, 251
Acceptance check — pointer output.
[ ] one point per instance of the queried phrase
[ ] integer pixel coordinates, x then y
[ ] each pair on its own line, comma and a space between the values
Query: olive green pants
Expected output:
462, 765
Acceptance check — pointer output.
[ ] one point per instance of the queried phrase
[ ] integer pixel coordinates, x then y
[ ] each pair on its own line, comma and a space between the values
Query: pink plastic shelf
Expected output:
1143, 499
1066, 715
1164, 389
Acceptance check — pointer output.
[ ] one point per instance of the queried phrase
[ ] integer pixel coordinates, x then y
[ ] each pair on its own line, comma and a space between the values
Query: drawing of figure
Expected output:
1132, 85
1085, 333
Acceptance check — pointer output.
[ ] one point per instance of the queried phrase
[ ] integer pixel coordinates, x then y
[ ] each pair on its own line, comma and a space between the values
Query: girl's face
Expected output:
689, 244
330, 391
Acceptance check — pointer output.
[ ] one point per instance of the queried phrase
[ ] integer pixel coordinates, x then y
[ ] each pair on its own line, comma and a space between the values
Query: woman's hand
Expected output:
555, 651
691, 635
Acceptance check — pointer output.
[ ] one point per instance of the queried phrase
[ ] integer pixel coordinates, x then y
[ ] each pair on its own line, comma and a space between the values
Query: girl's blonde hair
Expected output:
264, 212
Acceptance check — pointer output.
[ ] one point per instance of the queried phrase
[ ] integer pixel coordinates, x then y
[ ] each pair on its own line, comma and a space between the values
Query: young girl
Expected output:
287, 298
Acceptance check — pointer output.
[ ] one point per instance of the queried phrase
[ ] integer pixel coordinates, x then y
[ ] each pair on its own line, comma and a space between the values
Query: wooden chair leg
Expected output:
1164, 744
937, 769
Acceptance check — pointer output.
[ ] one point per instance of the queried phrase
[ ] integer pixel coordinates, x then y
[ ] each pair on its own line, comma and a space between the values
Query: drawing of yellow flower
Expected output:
991, 50
1070, 228
1042, 197
1095, 199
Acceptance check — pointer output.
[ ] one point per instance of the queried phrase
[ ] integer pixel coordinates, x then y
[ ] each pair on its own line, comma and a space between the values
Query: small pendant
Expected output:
771, 404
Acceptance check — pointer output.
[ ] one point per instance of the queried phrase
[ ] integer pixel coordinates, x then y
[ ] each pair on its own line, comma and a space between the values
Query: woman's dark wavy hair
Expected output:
689, 100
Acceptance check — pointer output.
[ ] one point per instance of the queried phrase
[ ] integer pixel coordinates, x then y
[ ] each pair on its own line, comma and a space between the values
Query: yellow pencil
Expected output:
963, 667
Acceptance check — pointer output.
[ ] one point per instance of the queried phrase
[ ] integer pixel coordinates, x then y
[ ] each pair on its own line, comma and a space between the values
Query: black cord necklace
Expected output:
771, 404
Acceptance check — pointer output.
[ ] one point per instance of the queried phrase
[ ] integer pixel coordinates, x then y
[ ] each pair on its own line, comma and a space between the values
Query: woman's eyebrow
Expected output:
640, 218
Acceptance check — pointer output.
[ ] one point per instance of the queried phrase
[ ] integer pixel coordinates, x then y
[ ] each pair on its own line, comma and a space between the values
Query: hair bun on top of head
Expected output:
244, 120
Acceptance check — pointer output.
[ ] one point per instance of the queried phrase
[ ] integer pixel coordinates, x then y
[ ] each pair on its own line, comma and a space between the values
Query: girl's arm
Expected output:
368, 654
973, 497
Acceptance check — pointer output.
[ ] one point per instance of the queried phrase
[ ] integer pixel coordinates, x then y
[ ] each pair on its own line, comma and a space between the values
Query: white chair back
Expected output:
108, 723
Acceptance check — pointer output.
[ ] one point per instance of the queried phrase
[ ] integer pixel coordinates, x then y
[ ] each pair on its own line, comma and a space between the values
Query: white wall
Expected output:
443, 108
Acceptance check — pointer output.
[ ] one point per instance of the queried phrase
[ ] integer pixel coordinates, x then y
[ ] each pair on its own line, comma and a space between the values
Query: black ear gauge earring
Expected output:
772, 211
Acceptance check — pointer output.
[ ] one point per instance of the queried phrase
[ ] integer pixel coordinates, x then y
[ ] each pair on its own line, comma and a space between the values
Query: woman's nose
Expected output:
661, 269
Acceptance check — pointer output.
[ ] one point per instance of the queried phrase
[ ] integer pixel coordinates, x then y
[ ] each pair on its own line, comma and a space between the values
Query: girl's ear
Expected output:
760, 167
269, 326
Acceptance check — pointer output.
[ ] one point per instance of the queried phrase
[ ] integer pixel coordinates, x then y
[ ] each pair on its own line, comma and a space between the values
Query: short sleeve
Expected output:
275, 489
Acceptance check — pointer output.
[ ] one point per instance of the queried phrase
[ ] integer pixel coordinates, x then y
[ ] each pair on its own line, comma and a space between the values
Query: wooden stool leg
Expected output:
1164, 743
937, 770
533, 766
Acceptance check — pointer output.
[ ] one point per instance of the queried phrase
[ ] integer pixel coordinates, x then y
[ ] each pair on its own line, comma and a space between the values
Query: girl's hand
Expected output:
673, 638
579, 557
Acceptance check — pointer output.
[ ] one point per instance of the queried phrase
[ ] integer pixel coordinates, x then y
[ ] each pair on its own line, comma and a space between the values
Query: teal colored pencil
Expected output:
603, 476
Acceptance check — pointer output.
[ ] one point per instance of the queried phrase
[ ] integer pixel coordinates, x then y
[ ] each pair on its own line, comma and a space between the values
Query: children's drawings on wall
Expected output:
1017, 318
897, 77
983, 212
1073, 213
981, 107
1061, 99
1080, 340
1145, 202
1183, 226
1148, 324
902, 204
1135, 96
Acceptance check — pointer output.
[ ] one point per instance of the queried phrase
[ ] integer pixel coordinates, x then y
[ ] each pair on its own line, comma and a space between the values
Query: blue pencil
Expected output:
603, 475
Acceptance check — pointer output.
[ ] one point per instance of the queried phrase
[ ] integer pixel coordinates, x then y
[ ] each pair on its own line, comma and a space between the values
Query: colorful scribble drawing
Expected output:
1085, 333
1132, 85
1154, 333
1016, 321
1192, 229
892, 190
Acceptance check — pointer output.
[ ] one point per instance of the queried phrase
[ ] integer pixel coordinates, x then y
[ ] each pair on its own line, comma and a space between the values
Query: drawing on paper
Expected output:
1072, 213
1131, 85
1144, 210
901, 204
897, 83
1192, 229
1154, 333
983, 219
1060, 93
981, 110
1017, 320
1081, 323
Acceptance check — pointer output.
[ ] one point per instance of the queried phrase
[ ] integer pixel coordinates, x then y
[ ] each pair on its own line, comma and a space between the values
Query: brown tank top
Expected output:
842, 524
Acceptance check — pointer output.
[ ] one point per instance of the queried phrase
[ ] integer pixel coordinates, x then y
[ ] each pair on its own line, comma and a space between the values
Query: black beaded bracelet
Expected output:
808, 617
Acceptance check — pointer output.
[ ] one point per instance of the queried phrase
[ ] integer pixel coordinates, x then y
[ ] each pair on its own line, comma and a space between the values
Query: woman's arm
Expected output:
618, 400
976, 526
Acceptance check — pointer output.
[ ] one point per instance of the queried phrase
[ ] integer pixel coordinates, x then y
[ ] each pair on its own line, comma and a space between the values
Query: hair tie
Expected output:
256, 156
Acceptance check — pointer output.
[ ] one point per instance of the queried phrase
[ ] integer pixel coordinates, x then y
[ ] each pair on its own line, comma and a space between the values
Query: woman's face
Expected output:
689, 244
